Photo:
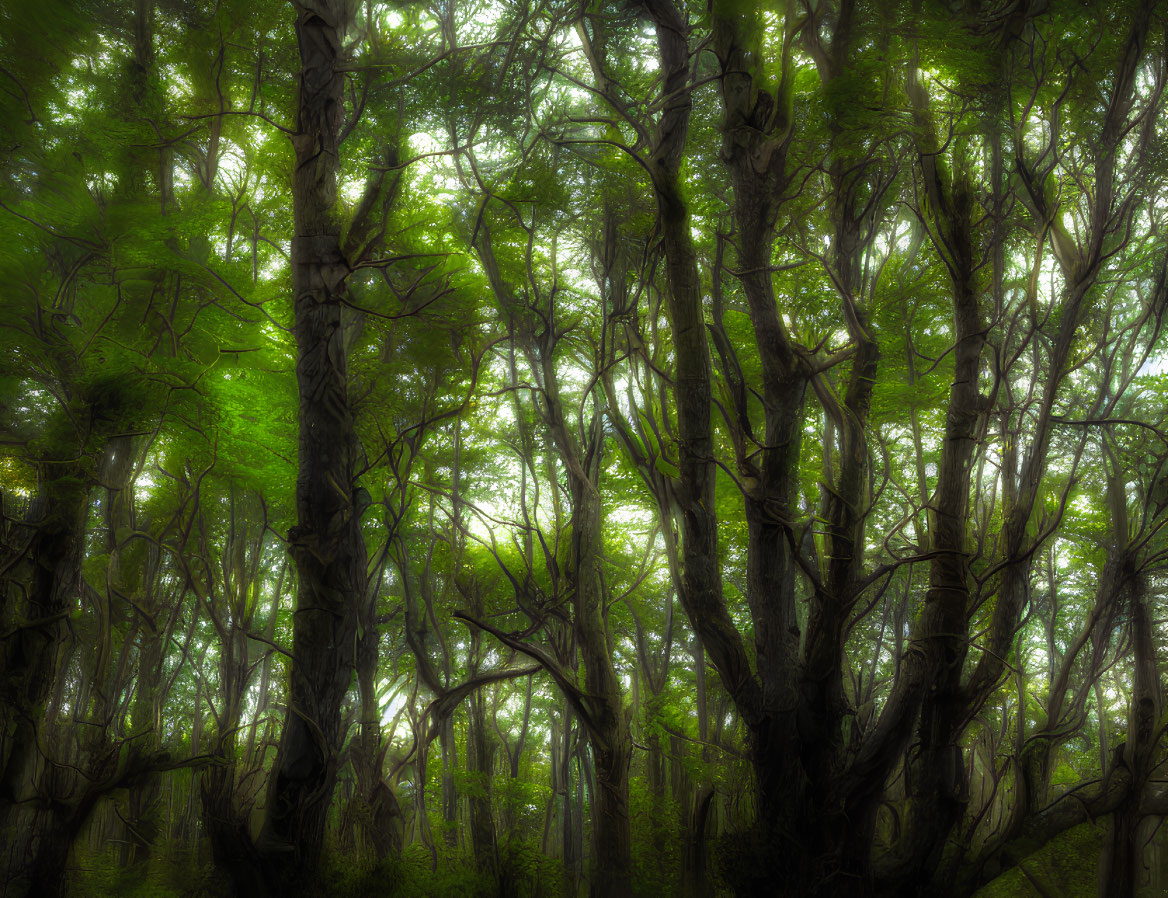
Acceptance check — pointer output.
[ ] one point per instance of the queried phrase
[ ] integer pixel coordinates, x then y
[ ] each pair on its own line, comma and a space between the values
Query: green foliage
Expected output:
525, 870
658, 840
398, 878
1065, 866
173, 872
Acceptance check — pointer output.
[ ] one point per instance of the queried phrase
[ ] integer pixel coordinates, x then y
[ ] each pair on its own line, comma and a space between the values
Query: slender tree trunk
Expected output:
701, 590
145, 797
254, 754
563, 790
607, 724
223, 820
449, 796
373, 815
696, 882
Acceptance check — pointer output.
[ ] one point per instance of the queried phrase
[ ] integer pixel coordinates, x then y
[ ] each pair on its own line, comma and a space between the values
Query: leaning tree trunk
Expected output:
326, 544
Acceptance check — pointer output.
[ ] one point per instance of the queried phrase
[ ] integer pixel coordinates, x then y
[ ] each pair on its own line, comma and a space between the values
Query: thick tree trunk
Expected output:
787, 830
937, 781
226, 827
326, 544
481, 754
1121, 864
34, 656
48, 874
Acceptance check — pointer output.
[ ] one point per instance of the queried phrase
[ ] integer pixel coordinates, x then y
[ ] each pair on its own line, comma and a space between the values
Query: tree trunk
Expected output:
326, 544
34, 656
562, 787
449, 796
482, 821
373, 815
1121, 864
606, 722
608, 729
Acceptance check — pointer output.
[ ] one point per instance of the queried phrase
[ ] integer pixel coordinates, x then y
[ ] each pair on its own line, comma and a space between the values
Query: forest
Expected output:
562, 448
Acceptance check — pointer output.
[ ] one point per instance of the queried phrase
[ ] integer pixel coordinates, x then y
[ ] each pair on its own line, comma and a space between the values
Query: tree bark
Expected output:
34, 660
326, 544
1121, 864
481, 754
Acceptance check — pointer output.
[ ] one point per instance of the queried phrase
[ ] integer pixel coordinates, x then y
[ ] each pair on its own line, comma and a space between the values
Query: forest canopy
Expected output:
542, 448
